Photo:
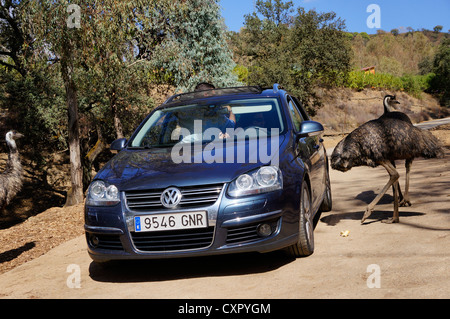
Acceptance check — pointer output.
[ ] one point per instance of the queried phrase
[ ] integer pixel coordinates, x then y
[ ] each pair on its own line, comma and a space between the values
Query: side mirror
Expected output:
118, 144
310, 128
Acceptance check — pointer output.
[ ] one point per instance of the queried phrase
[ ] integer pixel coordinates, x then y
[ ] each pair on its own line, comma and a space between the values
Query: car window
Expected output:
296, 116
211, 120
300, 108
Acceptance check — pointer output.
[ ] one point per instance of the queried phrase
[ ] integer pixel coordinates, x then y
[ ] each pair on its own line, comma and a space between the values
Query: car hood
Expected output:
155, 168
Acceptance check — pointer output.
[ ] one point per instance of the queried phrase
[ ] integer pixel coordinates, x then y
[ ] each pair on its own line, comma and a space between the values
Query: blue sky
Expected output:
394, 14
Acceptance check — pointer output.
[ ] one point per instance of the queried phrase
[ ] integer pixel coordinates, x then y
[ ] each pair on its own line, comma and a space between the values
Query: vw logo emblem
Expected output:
171, 197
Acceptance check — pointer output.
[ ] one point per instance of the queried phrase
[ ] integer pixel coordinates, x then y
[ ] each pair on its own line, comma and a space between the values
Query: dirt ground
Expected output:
45, 256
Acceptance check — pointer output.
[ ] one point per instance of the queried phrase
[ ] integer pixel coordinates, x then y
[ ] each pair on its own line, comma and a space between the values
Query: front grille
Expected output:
242, 234
247, 233
192, 197
111, 242
173, 240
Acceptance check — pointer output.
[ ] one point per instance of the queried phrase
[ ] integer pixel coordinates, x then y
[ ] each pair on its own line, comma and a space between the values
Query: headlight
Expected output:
262, 180
101, 194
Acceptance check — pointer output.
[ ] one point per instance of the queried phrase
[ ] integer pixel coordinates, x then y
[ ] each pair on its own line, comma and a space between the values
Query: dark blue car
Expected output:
212, 172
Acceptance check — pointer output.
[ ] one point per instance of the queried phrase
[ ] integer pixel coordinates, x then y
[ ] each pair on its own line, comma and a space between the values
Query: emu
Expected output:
11, 179
389, 103
380, 142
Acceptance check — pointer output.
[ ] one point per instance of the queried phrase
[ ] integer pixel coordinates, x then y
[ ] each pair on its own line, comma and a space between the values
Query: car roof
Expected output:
230, 92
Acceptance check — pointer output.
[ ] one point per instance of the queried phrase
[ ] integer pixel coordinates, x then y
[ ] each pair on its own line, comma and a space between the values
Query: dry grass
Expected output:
38, 234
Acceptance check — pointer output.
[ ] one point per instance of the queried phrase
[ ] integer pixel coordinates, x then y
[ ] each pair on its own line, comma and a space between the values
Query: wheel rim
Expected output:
306, 205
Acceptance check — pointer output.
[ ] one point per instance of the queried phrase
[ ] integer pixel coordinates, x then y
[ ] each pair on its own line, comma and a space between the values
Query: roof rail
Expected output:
215, 92
277, 87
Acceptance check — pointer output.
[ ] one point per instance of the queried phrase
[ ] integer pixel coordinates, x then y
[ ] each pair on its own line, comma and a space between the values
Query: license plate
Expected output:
174, 221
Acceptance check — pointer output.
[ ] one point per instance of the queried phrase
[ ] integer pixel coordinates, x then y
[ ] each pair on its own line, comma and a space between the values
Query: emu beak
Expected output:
394, 104
394, 100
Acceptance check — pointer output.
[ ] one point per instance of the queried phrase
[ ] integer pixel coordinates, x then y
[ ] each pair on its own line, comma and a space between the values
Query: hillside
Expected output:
345, 109
397, 54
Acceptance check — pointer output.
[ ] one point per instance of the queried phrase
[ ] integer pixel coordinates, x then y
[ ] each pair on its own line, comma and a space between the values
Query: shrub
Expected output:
413, 84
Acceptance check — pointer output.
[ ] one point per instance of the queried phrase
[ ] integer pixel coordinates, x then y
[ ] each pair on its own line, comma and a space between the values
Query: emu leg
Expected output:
392, 180
400, 195
405, 200
395, 218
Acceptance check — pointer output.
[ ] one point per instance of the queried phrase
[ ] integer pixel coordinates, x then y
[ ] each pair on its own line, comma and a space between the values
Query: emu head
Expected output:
389, 103
344, 155
11, 138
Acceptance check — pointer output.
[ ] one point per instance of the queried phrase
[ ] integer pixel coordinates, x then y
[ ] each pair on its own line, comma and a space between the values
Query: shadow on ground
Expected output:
175, 269
377, 216
14, 253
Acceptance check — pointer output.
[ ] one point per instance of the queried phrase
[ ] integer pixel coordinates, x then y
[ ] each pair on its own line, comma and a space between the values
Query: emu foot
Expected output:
367, 213
405, 203
391, 220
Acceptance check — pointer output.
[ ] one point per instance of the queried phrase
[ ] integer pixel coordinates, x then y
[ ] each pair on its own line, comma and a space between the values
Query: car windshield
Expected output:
198, 123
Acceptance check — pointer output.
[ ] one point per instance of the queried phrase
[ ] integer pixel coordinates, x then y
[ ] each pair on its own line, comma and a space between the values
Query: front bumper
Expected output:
232, 228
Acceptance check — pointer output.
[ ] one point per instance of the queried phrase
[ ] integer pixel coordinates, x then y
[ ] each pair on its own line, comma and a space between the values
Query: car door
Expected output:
311, 150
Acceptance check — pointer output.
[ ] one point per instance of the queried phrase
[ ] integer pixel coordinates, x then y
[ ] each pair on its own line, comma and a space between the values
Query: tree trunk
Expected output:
75, 195
117, 123
88, 160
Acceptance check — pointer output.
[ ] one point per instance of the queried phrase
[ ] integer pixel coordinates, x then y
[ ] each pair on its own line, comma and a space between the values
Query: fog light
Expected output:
264, 230
94, 240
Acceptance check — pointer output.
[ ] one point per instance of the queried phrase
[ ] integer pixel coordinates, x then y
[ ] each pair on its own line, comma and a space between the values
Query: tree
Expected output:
438, 28
94, 47
30, 91
321, 44
12, 38
441, 69
47, 22
276, 12
300, 50
190, 45
395, 32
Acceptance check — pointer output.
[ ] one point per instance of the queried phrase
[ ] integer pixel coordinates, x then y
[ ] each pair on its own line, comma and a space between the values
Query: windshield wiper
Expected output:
148, 147
138, 147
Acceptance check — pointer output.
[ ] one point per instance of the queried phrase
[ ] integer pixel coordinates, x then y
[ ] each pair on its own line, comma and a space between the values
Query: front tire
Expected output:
305, 244
327, 204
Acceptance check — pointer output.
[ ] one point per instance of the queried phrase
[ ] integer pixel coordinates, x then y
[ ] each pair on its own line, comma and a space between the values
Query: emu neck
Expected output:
13, 165
11, 144
387, 108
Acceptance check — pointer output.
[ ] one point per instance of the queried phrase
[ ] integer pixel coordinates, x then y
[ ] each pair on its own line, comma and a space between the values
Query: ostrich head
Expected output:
344, 155
11, 138
389, 103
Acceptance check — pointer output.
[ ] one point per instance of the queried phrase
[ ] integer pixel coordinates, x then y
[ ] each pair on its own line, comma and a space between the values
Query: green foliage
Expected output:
191, 45
37, 99
441, 68
395, 32
438, 28
413, 84
241, 72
